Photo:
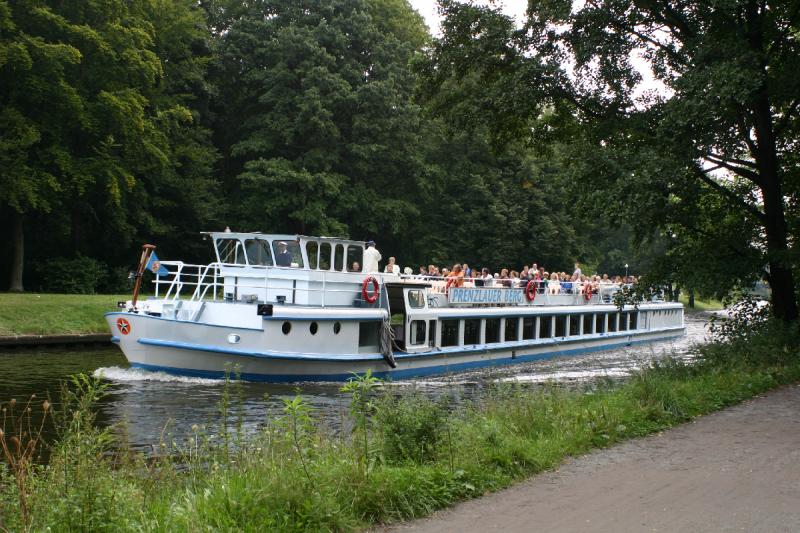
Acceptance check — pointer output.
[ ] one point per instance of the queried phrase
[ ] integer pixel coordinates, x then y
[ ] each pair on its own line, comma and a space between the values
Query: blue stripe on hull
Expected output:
397, 374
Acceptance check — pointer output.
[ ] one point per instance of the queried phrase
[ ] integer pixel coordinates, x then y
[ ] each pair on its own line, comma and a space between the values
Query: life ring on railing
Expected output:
587, 292
530, 291
376, 289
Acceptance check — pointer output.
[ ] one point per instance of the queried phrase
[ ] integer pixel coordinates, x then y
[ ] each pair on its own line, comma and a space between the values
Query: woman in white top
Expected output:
553, 286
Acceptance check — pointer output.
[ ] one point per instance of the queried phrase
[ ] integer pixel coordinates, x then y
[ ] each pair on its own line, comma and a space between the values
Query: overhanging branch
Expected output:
731, 196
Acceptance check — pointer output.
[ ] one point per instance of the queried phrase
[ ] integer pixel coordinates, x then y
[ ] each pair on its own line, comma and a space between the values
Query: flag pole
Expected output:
147, 249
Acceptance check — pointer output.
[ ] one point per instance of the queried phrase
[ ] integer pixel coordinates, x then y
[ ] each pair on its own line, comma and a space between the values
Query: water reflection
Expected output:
154, 404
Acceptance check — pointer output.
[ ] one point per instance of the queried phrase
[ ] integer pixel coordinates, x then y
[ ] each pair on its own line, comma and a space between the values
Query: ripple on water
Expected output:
126, 375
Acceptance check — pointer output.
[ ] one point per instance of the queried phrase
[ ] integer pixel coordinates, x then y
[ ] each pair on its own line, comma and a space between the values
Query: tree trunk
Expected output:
18, 253
691, 298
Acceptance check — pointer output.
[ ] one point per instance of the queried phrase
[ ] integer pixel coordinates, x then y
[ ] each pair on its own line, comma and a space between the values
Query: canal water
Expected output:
154, 404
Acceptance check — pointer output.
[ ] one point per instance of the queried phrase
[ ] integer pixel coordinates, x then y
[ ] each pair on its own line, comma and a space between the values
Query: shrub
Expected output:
77, 275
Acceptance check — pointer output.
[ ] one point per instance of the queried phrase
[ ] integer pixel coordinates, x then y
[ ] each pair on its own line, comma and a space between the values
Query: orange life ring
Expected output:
376, 290
587, 292
530, 291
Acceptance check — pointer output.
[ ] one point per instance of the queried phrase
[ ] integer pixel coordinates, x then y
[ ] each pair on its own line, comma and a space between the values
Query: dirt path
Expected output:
735, 470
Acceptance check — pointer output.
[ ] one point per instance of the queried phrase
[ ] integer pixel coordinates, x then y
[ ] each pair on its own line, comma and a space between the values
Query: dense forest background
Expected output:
124, 122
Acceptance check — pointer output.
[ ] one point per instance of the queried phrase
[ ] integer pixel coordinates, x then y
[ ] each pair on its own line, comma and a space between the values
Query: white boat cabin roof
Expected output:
284, 250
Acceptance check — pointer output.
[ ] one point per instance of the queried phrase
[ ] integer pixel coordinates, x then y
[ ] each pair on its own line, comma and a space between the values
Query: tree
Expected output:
726, 123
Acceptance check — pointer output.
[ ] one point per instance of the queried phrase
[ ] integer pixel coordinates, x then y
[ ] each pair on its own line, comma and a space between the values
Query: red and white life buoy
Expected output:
123, 326
376, 289
530, 290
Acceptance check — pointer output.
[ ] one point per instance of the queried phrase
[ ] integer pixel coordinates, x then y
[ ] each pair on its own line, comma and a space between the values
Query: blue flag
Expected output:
154, 265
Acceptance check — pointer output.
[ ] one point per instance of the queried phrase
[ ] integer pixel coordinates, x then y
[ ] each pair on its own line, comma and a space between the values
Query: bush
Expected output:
77, 275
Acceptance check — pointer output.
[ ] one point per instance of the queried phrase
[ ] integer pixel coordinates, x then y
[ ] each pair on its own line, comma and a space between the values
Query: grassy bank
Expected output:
700, 305
55, 314
406, 457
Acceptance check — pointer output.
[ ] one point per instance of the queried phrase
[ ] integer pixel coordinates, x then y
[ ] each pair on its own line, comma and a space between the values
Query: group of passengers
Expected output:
544, 281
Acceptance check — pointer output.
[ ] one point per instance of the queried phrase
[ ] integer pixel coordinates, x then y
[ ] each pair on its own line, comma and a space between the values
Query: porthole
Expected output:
313, 328
286, 328
337, 327
233, 338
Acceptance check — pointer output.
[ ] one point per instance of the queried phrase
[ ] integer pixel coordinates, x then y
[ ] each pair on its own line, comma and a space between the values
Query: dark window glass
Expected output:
528, 325
574, 325
416, 299
492, 330
338, 264
312, 250
231, 251
418, 332
337, 327
258, 252
601, 322
561, 326
286, 328
588, 322
432, 333
368, 334
313, 328
634, 320
623, 321
325, 256
511, 329
544, 326
355, 254
450, 333
472, 331
612, 322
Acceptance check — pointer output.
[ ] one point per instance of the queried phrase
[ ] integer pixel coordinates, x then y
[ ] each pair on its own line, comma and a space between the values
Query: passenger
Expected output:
283, 257
486, 277
371, 258
467, 271
422, 271
392, 267
553, 286
431, 271
577, 269
566, 284
445, 272
505, 280
355, 267
514, 279
457, 276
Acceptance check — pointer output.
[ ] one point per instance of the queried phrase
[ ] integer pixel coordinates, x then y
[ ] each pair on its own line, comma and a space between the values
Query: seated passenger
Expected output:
355, 267
553, 286
456, 276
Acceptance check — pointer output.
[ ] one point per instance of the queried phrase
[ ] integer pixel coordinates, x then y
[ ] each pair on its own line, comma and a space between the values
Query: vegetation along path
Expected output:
737, 469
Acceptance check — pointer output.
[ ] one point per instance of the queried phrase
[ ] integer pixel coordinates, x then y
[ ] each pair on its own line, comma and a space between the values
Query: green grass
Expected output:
55, 314
408, 456
700, 305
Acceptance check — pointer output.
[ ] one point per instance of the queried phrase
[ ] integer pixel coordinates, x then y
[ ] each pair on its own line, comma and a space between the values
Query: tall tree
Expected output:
725, 124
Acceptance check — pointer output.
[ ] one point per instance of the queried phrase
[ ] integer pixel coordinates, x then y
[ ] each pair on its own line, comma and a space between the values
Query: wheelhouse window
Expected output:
511, 329
355, 257
287, 254
231, 252
325, 256
472, 331
312, 251
338, 258
416, 299
258, 252
449, 333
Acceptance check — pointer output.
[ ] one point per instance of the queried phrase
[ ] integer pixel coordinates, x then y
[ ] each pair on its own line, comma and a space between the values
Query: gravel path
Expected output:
734, 470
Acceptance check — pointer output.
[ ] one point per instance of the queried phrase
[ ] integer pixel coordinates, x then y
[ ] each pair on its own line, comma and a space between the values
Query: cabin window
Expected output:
623, 321
588, 324
612, 322
544, 327
449, 333
418, 332
574, 325
337, 327
355, 257
492, 330
528, 325
312, 251
286, 328
338, 258
231, 251
432, 335
287, 254
511, 329
313, 328
472, 331
561, 326
416, 299
258, 252
367, 334
601, 323
325, 256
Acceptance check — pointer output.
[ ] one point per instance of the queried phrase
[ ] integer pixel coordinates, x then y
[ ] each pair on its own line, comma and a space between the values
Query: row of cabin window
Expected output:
320, 255
548, 327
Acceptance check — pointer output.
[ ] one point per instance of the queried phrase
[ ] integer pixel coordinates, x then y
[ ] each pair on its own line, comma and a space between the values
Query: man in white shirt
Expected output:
371, 258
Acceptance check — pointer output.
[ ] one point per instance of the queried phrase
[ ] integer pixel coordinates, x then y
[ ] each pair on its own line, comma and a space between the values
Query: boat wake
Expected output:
571, 375
127, 375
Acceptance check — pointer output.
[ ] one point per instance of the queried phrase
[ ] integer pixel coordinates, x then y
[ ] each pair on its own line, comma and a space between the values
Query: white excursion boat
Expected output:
286, 308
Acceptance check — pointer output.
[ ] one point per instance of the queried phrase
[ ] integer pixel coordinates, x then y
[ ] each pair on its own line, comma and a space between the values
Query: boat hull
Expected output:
202, 350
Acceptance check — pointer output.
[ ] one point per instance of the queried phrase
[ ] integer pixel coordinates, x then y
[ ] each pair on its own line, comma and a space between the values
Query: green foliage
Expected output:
78, 275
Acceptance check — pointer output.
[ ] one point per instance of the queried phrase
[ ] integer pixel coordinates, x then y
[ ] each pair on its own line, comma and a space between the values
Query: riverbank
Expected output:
732, 470
32, 314
407, 456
